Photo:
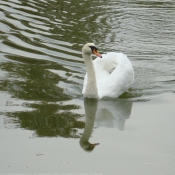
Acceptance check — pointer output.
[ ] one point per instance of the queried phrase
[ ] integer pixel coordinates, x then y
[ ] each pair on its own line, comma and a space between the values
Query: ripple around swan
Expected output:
128, 28
41, 41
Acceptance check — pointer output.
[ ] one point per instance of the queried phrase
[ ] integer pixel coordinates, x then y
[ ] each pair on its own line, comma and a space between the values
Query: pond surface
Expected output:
46, 126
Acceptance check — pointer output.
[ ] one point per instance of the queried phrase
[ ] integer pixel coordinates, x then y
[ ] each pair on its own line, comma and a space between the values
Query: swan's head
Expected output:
90, 48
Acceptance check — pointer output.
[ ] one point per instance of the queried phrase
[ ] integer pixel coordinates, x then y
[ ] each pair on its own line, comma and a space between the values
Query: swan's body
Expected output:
109, 76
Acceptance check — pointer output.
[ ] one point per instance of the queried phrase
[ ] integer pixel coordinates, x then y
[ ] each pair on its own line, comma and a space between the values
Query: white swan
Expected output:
109, 75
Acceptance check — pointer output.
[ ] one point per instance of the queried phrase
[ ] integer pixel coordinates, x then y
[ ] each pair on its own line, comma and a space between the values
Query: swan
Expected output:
109, 75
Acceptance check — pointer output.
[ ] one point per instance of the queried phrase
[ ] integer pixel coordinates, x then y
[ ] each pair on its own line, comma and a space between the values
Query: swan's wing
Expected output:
120, 80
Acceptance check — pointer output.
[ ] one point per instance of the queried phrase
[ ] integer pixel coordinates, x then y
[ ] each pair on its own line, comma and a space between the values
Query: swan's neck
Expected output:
91, 87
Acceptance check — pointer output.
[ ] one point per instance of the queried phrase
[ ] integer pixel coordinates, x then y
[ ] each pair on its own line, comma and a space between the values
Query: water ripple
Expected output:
55, 31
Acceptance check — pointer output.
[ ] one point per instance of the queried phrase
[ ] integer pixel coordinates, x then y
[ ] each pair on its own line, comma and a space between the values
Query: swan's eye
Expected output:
93, 48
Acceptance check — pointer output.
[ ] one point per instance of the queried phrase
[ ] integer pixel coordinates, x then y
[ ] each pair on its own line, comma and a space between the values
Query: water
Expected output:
42, 71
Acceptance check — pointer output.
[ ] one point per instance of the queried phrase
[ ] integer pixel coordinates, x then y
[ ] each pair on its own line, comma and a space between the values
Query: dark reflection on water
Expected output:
31, 80
49, 120
41, 61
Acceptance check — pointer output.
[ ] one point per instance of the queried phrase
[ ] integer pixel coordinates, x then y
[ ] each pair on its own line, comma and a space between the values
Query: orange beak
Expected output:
94, 51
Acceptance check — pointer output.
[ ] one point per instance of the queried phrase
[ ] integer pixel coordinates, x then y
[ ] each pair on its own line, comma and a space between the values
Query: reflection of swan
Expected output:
90, 111
113, 113
110, 75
